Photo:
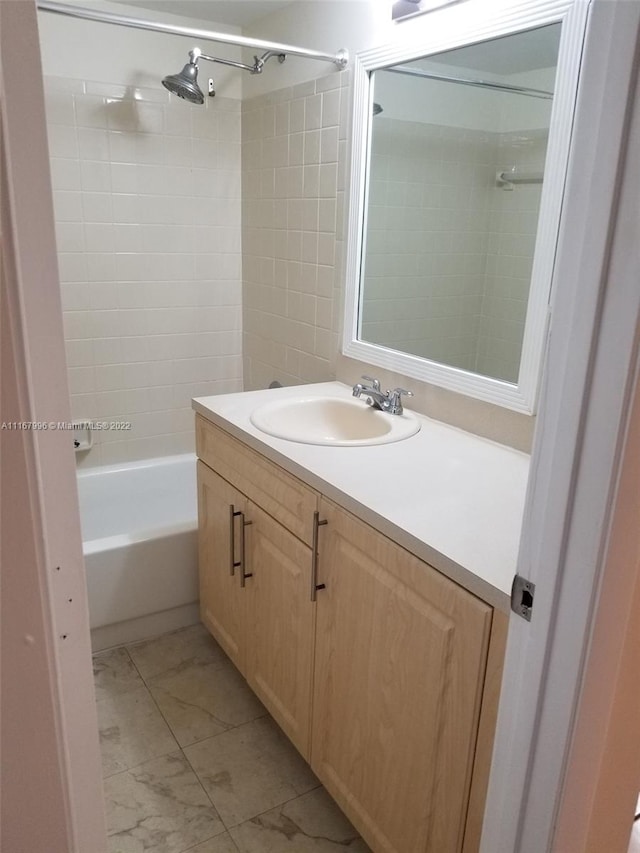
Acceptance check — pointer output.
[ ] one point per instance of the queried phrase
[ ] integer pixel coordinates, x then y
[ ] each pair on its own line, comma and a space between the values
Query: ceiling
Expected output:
238, 13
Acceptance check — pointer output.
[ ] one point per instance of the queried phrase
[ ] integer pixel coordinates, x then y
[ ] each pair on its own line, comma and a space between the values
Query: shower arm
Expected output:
341, 58
256, 68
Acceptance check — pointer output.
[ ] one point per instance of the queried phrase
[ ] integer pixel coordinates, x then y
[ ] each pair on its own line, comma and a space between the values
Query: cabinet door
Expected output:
400, 660
282, 624
222, 599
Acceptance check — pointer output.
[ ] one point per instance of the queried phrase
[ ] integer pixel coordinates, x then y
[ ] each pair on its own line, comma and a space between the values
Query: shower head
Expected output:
377, 109
185, 83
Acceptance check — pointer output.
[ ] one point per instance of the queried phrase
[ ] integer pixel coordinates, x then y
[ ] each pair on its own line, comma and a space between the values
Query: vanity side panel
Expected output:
281, 495
400, 663
486, 732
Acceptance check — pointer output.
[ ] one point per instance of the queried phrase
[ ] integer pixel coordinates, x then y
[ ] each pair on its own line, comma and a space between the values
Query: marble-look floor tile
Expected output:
113, 672
131, 731
199, 701
219, 844
159, 806
311, 823
250, 769
187, 647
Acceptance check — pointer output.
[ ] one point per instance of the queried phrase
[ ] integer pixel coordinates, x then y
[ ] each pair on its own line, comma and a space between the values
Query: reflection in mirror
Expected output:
457, 152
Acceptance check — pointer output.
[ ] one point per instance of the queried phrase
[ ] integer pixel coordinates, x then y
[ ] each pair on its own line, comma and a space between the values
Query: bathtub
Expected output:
139, 531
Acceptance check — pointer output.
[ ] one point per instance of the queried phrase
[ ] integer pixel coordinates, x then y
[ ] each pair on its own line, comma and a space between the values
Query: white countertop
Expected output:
452, 498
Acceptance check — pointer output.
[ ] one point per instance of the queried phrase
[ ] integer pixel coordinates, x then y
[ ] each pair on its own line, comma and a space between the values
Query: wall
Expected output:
291, 144
303, 320
80, 49
147, 206
360, 25
325, 25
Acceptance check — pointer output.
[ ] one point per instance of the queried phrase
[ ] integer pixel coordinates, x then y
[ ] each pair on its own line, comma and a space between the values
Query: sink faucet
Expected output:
386, 401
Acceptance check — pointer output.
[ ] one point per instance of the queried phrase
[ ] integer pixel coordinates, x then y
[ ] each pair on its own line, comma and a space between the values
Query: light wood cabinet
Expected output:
223, 608
255, 578
281, 633
387, 683
400, 657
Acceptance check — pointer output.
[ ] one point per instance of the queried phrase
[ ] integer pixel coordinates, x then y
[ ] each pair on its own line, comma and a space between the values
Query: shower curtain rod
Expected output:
341, 58
466, 81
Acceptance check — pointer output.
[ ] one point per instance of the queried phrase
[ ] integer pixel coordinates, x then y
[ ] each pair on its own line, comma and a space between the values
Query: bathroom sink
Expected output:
336, 421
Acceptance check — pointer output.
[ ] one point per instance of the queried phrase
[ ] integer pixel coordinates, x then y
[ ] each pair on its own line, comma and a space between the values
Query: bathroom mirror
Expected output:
459, 160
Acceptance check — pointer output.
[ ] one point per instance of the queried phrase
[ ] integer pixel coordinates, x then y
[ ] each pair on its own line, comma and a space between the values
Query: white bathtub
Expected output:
139, 530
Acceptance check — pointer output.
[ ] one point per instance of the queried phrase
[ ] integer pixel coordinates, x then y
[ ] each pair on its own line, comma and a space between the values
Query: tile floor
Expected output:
193, 762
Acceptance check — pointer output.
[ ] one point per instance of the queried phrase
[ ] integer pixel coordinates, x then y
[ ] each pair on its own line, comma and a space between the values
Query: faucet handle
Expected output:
395, 404
375, 383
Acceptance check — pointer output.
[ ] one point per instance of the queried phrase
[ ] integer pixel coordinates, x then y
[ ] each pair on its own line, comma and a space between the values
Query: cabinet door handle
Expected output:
243, 574
315, 586
233, 563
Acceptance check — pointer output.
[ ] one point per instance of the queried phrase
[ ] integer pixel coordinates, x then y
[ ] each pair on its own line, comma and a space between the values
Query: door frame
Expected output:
585, 402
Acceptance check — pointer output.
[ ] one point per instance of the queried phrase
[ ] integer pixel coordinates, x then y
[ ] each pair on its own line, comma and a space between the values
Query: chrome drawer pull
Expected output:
315, 586
244, 575
233, 564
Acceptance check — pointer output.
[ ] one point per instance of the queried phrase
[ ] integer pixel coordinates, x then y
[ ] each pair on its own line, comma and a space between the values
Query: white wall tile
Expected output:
97, 207
67, 206
99, 237
313, 112
93, 144
95, 176
72, 267
70, 236
331, 108
65, 174
63, 141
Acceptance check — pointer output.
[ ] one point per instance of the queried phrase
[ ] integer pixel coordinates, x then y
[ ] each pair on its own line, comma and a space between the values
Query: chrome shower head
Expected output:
185, 83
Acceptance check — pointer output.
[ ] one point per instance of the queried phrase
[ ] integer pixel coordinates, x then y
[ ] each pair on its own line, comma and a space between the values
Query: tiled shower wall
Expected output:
147, 208
293, 173
449, 253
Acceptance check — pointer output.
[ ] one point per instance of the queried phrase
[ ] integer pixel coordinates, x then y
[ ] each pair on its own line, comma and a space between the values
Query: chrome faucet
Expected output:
386, 401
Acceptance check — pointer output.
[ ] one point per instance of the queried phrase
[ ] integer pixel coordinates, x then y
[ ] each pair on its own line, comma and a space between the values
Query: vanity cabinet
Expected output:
387, 682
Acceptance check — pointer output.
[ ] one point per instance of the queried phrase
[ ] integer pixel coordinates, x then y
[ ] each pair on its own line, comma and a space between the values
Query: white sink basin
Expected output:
337, 421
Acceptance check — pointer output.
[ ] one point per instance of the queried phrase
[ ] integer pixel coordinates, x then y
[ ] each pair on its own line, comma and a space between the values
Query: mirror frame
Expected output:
449, 28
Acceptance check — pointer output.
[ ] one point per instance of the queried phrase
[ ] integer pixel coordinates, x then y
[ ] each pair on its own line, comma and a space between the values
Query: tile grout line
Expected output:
225, 832
211, 737
277, 806
180, 748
